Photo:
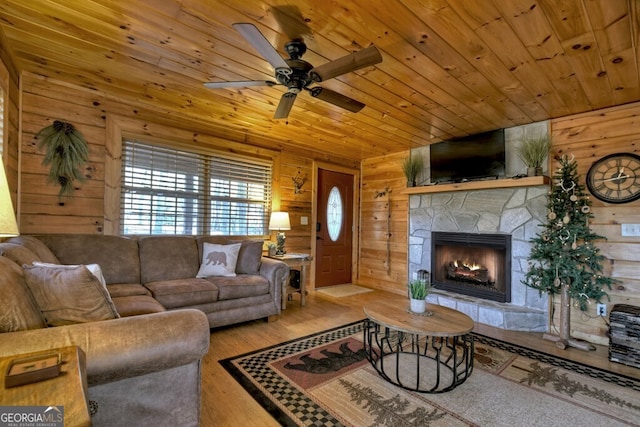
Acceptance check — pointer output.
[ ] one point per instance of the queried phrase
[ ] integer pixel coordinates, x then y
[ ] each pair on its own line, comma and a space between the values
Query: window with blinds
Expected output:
170, 191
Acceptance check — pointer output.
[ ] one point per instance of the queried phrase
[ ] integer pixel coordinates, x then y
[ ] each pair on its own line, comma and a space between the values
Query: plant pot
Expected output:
418, 305
272, 251
534, 171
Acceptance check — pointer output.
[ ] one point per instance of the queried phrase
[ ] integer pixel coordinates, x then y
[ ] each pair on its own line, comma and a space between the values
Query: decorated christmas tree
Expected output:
564, 259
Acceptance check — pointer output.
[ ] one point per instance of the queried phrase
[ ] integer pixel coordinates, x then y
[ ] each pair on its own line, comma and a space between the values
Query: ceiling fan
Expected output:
298, 75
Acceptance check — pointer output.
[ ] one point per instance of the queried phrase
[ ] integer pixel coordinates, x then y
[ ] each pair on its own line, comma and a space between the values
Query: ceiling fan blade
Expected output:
262, 45
284, 107
247, 83
346, 64
335, 98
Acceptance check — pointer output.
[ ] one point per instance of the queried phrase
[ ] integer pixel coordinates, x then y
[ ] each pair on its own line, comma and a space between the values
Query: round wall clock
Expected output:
615, 178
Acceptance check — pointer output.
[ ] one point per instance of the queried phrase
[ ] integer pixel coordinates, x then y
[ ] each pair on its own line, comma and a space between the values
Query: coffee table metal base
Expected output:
426, 364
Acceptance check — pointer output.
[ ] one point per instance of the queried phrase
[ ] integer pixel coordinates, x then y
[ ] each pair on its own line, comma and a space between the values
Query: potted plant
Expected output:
533, 151
411, 166
418, 291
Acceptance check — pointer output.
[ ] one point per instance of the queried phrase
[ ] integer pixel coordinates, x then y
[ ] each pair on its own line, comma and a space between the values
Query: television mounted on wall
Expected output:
475, 157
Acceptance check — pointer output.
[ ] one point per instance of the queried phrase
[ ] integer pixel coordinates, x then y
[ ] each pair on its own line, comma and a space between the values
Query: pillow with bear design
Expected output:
218, 260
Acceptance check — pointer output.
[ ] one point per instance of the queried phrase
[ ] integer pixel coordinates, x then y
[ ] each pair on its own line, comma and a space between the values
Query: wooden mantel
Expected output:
480, 185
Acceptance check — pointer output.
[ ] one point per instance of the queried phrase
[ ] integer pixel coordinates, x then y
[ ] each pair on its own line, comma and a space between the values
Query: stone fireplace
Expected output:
475, 264
515, 212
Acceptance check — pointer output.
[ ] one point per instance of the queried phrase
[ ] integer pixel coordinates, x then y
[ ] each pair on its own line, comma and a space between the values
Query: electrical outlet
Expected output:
601, 309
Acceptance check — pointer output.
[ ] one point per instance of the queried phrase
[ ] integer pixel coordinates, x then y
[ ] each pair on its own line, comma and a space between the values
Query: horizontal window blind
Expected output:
170, 191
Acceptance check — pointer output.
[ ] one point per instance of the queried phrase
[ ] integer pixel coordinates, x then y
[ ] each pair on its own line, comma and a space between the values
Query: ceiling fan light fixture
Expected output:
297, 74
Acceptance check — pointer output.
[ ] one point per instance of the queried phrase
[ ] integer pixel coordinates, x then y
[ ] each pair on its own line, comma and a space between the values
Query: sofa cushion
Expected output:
250, 256
69, 295
18, 253
219, 260
183, 292
38, 247
18, 311
134, 305
241, 286
117, 255
168, 258
127, 290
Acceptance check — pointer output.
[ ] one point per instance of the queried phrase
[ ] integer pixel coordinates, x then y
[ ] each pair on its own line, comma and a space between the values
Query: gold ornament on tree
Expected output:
66, 152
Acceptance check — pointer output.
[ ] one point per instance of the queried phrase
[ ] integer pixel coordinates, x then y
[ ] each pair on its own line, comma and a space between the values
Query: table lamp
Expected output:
279, 221
8, 225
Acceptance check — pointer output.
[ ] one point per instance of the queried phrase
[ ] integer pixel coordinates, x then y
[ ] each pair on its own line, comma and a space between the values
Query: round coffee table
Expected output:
428, 353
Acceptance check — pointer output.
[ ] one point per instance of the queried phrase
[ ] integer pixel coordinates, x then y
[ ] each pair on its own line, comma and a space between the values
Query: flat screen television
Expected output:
475, 157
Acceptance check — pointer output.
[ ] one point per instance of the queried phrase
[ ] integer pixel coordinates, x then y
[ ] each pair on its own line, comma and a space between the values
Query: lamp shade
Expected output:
279, 221
8, 225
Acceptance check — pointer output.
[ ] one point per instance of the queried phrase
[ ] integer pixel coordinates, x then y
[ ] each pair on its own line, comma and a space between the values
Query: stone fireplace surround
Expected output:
515, 210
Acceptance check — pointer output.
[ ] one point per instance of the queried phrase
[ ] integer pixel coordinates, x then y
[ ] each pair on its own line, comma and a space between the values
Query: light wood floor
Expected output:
224, 401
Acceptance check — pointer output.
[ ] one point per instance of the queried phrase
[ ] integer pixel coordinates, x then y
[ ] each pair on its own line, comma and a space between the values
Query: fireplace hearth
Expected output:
472, 264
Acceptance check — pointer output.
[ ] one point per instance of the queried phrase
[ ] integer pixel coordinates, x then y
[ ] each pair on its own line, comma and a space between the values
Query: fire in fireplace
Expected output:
472, 264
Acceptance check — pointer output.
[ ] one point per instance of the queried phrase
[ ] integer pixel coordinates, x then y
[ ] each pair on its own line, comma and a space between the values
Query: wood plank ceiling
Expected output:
450, 67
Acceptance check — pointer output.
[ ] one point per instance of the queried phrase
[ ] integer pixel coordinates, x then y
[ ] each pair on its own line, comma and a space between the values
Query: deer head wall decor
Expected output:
298, 182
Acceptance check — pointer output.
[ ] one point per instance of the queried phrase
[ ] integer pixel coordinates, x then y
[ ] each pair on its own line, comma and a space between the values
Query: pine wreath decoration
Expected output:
66, 152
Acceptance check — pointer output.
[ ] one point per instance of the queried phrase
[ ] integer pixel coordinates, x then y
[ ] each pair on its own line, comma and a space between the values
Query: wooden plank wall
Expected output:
297, 204
384, 213
589, 137
40, 209
10, 82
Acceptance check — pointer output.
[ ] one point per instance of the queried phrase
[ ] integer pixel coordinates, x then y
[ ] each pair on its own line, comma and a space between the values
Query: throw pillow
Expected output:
69, 295
218, 260
93, 268
250, 256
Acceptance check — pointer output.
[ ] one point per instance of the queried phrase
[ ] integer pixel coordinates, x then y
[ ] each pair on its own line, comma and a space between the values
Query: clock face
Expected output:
615, 178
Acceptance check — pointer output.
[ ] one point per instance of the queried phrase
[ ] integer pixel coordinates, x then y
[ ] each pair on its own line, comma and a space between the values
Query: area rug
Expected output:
340, 291
325, 380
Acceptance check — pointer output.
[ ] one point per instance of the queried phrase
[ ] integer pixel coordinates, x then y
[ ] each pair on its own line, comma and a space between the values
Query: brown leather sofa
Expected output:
143, 368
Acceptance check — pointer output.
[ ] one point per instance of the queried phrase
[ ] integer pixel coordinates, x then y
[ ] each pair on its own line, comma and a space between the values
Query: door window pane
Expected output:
334, 213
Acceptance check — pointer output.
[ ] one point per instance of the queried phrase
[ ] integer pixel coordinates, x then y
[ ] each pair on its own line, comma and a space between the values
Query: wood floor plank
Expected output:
225, 403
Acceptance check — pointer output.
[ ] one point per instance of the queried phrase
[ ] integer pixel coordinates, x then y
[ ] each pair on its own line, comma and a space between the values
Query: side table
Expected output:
294, 261
69, 389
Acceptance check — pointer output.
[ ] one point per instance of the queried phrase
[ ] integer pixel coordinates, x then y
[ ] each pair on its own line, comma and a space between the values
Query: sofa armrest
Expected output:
124, 347
276, 272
